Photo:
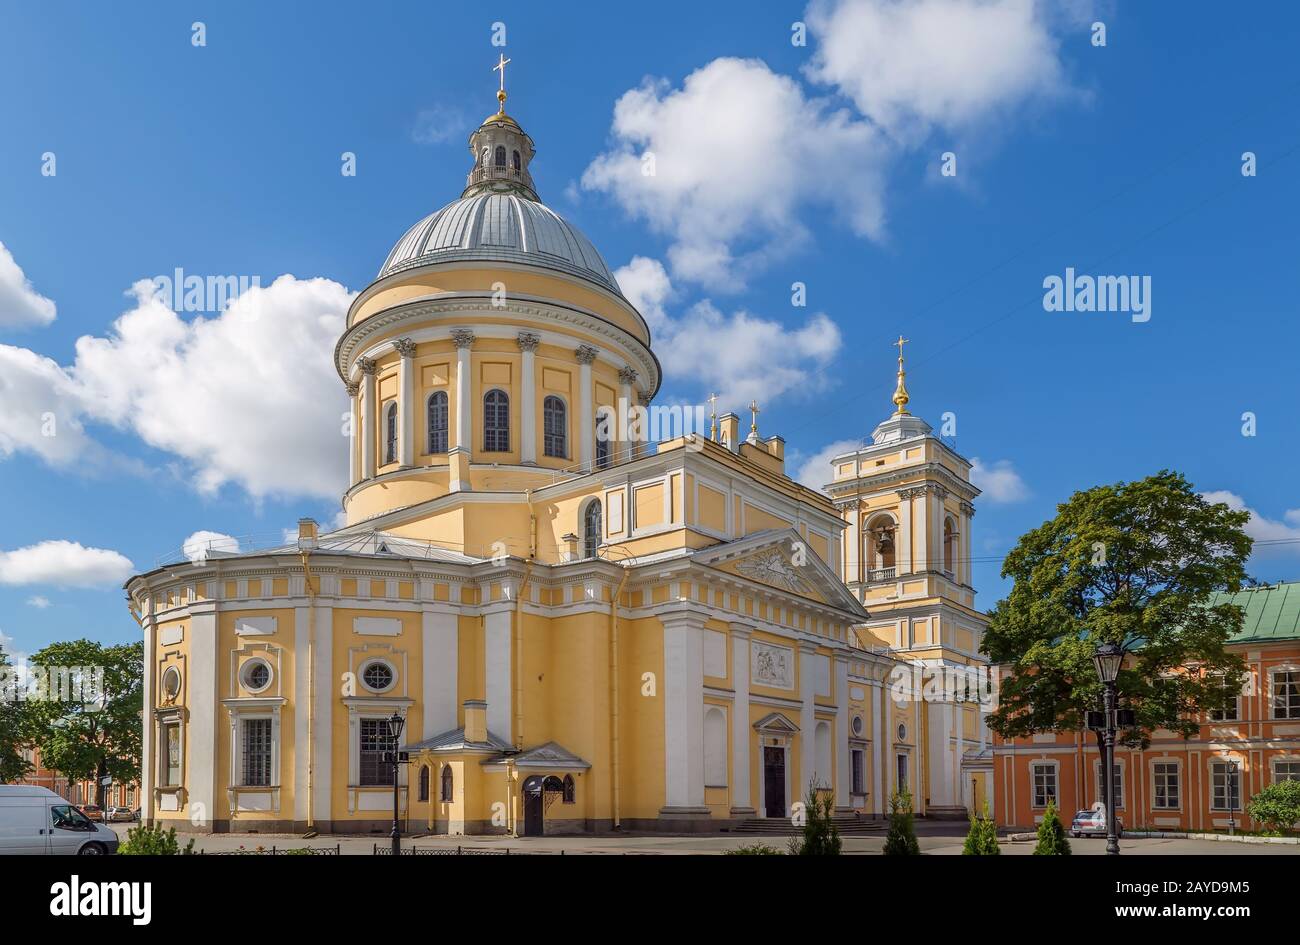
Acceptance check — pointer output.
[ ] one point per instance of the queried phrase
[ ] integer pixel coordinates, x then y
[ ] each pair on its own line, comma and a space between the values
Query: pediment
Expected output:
777, 724
781, 559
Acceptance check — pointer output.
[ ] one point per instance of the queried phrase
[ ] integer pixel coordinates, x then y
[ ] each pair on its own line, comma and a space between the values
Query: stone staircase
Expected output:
847, 824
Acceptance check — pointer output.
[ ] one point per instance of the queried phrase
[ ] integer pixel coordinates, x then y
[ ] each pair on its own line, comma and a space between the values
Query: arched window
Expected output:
438, 422
591, 529
518, 164
499, 158
878, 548
555, 428
602, 449
949, 544
390, 434
570, 790
496, 422
445, 794
424, 782
715, 748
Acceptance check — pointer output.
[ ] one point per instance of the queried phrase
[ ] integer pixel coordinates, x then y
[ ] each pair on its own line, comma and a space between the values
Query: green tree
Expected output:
14, 724
1051, 835
901, 839
820, 836
92, 735
1134, 564
982, 839
1277, 807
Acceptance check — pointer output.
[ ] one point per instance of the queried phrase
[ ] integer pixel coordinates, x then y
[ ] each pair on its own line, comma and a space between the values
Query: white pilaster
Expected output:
150, 729
903, 549
301, 710
880, 803
322, 723
497, 656
807, 717
528, 397
464, 443
200, 770
683, 689
843, 780
369, 417
586, 417
440, 647
742, 734
853, 547
406, 411
922, 551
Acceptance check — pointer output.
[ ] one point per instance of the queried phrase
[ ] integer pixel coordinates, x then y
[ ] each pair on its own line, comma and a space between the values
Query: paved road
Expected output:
934, 840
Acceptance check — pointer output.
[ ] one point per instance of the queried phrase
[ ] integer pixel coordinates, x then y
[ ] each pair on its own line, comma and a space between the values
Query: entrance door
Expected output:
774, 782
533, 807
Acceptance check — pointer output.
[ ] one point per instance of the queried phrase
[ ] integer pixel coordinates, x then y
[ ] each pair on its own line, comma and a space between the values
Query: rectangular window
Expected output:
1286, 695
1166, 786
859, 774
375, 743
1286, 771
902, 774
171, 766
1119, 786
257, 752
1044, 776
1225, 786
1231, 710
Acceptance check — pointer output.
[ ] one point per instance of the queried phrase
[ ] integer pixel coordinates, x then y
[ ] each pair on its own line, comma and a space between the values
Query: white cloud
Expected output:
739, 356
64, 564
1287, 529
21, 305
197, 546
438, 124
247, 397
998, 481
814, 471
737, 150
15, 657
951, 64
37, 601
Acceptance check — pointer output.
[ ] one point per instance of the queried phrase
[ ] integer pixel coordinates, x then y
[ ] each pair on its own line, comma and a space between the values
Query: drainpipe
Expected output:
613, 698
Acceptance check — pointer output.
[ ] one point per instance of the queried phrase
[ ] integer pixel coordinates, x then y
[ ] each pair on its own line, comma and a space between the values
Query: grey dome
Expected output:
499, 227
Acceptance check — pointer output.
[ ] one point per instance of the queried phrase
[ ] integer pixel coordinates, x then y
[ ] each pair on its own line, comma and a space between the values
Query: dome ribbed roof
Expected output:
496, 227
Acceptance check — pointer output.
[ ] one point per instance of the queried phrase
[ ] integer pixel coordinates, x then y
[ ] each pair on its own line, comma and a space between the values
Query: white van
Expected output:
36, 820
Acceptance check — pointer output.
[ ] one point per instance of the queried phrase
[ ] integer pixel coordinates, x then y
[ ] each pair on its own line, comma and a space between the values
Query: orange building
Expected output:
80, 793
1194, 784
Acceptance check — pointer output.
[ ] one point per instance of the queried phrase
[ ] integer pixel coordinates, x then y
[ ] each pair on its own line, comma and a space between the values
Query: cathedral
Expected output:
579, 627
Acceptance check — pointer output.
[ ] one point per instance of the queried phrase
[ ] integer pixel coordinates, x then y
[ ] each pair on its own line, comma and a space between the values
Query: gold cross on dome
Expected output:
899, 343
501, 67
753, 409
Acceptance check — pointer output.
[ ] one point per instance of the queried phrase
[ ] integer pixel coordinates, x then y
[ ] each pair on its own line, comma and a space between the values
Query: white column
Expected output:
934, 517
322, 723
853, 546
149, 733
742, 733
440, 648
464, 446
369, 417
354, 464
301, 707
807, 718
683, 689
922, 551
406, 412
881, 803
843, 780
963, 544
496, 646
626, 378
586, 417
903, 540
201, 739
528, 397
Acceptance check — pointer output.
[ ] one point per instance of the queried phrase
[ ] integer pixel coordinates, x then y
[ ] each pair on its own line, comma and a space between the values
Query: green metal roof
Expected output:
1272, 612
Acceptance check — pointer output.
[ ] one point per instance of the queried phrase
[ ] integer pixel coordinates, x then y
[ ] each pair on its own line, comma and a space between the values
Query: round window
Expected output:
902, 732
377, 676
857, 725
171, 683
256, 675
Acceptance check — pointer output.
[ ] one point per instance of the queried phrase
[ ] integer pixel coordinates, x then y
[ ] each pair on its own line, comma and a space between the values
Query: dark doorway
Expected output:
774, 782
533, 808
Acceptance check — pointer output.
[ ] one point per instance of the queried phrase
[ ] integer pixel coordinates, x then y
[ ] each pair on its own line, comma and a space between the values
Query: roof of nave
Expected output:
1272, 612
454, 740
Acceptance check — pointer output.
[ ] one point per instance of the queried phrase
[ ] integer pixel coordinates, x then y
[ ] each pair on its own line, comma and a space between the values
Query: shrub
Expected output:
152, 840
1051, 835
1277, 807
820, 836
982, 840
754, 849
901, 840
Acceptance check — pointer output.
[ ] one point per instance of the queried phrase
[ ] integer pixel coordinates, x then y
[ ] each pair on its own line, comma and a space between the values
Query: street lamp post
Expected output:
1232, 800
395, 725
1108, 658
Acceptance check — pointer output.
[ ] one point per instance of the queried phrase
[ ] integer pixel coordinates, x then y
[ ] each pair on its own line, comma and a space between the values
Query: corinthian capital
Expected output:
368, 367
627, 375
405, 347
585, 354
463, 337
528, 341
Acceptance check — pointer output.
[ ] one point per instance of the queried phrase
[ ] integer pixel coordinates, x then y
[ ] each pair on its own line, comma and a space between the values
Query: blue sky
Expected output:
776, 163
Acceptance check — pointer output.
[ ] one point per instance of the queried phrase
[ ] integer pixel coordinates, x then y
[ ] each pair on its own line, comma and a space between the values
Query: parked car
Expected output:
35, 820
120, 814
93, 811
1092, 823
